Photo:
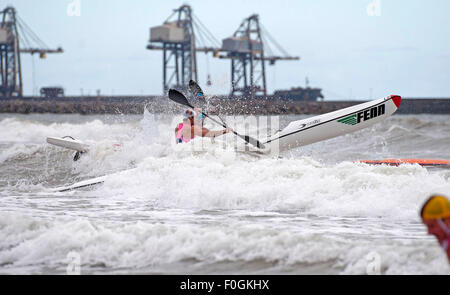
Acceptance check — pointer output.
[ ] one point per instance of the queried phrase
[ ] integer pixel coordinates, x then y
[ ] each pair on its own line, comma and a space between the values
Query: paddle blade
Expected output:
196, 90
178, 97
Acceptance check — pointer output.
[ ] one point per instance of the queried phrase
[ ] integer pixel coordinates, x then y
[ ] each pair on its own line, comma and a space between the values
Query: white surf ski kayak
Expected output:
88, 182
69, 143
81, 184
340, 122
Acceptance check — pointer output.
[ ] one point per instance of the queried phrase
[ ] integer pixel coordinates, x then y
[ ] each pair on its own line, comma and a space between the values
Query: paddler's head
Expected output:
435, 214
189, 116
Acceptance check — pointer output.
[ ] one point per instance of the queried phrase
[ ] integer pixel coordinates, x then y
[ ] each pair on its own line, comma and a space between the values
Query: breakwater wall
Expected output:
160, 104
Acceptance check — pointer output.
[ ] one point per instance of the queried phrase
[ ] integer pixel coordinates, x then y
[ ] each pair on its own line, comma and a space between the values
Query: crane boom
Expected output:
14, 33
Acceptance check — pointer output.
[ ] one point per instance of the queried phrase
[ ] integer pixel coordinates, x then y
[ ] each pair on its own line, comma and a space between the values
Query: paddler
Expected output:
435, 214
192, 126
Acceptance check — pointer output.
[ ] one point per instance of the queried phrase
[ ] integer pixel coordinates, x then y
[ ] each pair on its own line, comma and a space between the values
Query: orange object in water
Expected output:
397, 162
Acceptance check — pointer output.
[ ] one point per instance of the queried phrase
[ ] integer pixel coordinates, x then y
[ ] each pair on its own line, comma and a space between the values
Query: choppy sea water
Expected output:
166, 209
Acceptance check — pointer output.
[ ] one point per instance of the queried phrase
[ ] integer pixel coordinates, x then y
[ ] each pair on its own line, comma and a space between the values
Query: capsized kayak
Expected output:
397, 162
69, 142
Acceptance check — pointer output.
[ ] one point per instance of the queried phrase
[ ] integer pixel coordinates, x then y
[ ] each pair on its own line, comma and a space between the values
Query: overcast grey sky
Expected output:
403, 47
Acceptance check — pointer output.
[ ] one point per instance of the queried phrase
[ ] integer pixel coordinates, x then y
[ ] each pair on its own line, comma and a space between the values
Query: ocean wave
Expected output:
32, 244
151, 218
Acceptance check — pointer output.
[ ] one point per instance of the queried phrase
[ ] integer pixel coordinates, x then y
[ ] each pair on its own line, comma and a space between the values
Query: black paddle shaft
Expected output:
178, 97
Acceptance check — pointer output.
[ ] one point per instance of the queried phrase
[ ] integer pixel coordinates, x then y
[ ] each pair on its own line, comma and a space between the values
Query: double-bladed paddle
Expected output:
178, 97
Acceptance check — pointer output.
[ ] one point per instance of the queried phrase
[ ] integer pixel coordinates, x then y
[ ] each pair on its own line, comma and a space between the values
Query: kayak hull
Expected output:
68, 143
326, 126
398, 162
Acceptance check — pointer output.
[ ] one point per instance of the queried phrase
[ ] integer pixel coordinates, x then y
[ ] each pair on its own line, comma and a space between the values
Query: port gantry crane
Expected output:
177, 38
13, 33
182, 30
247, 51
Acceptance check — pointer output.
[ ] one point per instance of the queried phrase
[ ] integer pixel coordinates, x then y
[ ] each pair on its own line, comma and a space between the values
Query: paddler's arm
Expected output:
204, 132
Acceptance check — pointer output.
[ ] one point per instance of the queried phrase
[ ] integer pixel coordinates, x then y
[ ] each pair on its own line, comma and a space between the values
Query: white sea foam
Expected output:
147, 247
181, 210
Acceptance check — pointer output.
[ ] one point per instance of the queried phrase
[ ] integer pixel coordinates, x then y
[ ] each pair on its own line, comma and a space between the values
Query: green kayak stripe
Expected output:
348, 120
349, 117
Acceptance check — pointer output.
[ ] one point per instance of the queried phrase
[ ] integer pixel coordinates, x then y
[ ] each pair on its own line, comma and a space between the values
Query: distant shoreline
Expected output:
135, 105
